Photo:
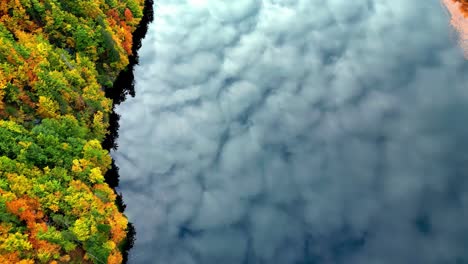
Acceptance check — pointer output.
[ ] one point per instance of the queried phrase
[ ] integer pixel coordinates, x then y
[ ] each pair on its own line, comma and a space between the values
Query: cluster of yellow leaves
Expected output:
14, 242
47, 108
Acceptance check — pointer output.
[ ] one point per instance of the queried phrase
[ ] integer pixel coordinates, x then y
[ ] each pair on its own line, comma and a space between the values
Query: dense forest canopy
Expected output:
56, 59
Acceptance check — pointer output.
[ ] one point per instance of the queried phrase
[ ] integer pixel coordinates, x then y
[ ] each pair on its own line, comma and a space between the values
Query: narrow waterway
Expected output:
297, 131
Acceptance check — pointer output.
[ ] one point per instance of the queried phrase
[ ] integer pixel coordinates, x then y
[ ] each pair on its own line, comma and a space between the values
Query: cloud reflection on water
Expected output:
297, 131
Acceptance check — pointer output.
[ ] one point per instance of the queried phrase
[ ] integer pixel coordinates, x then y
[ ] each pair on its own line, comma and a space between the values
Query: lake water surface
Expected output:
297, 131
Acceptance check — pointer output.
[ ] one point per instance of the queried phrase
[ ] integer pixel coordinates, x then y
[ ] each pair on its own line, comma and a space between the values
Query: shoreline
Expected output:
124, 85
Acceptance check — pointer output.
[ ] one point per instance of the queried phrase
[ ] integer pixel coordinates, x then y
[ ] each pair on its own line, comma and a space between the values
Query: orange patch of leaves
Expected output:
458, 10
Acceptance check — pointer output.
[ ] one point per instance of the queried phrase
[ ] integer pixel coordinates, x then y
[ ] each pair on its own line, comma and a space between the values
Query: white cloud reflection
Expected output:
297, 131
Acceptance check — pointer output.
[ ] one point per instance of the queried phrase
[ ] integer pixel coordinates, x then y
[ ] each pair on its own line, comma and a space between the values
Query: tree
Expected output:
47, 108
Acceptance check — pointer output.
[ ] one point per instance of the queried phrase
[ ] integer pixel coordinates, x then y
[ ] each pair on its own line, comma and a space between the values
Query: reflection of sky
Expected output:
297, 131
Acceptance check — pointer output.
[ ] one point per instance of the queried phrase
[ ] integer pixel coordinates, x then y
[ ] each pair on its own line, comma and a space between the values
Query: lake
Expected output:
297, 132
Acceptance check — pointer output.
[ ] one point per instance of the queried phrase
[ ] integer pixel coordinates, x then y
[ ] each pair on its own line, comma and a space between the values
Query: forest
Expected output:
57, 59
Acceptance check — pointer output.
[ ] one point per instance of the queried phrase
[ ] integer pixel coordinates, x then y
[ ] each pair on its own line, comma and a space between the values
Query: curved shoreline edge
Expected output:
123, 86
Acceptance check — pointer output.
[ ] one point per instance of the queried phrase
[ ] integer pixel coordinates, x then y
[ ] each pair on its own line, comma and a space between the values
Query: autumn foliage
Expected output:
458, 10
463, 6
56, 59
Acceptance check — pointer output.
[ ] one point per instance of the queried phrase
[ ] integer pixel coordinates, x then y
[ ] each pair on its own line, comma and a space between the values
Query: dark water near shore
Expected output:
124, 86
297, 131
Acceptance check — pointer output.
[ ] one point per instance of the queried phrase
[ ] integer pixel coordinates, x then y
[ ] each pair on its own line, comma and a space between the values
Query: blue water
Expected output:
297, 131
